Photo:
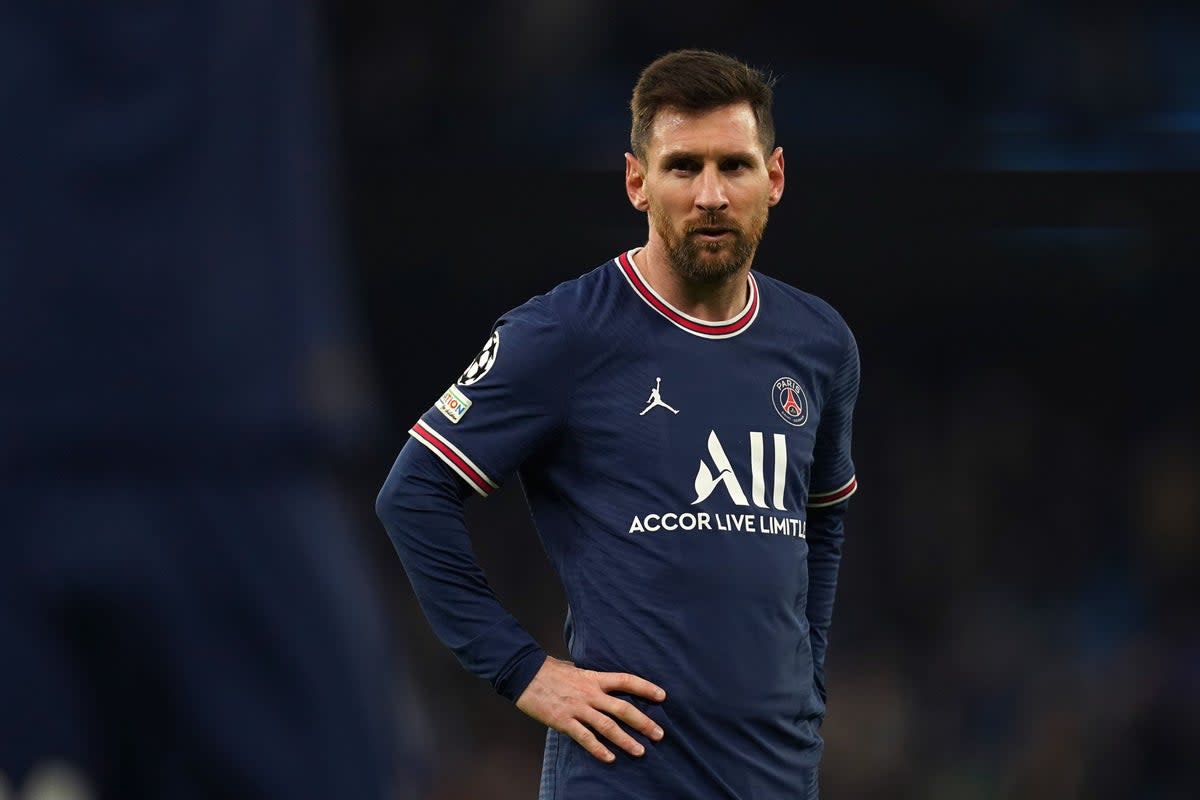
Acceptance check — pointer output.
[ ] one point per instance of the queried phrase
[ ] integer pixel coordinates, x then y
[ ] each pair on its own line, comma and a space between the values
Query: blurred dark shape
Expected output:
186, 609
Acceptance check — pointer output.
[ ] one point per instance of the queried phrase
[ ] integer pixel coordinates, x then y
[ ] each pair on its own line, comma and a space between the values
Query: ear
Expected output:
775, 176
635, 183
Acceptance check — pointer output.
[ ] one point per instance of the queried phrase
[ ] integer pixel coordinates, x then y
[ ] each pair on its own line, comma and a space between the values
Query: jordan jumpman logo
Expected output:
655, 399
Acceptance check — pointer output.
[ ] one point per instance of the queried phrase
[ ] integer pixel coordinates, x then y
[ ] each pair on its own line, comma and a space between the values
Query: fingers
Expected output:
577, 703
600, 725
631, 684
631, 716
608, 727
588, 741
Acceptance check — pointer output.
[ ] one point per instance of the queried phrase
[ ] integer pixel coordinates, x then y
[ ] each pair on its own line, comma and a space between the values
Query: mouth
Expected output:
712, 234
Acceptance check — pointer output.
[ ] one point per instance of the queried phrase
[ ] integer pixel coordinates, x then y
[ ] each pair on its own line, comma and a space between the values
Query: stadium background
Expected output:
1000, 196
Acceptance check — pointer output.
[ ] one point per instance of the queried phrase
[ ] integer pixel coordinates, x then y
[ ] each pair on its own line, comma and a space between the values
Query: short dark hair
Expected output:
699, 80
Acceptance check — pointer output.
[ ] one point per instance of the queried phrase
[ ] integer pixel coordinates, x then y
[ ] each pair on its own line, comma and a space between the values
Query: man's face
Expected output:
707, 188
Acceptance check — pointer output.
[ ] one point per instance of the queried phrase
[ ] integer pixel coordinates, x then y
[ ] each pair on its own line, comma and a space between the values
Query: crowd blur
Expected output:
245, 246
1107, 84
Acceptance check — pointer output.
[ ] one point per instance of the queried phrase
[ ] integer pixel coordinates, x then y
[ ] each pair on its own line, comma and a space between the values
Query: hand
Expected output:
577, 702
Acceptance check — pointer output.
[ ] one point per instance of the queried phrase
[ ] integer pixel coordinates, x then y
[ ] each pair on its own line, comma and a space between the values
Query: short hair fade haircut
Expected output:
699, 80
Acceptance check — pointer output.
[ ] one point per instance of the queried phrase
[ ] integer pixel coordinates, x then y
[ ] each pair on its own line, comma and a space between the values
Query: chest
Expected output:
727, 424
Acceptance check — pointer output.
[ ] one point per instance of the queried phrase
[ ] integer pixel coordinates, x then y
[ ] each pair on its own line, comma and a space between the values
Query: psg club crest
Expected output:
790, 401
483, 362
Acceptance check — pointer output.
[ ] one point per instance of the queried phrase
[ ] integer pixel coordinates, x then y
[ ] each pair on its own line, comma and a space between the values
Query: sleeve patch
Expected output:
481, 364
453, 405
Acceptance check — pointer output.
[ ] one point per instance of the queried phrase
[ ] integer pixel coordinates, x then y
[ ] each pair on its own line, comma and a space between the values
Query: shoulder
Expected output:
573, 306
808, 311
551, 326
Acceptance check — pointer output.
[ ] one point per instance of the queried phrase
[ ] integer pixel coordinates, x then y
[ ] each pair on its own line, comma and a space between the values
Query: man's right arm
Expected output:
421, 507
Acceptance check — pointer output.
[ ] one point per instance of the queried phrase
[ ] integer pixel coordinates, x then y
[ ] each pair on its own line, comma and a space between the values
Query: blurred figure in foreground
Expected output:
184, 611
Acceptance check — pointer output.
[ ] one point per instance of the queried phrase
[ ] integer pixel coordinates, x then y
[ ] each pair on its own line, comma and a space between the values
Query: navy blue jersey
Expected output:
671, 466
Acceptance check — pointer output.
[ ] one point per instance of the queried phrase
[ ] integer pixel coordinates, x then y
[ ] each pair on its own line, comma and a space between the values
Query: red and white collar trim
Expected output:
698, 327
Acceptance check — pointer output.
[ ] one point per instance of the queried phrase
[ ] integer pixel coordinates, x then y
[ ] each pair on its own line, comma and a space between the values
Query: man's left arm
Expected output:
825, 535
831, 484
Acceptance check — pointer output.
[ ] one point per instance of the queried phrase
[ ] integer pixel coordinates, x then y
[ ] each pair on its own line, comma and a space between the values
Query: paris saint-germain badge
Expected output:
790, 401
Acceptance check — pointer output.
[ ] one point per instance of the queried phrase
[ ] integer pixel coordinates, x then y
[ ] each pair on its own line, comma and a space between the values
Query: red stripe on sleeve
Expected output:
465, 469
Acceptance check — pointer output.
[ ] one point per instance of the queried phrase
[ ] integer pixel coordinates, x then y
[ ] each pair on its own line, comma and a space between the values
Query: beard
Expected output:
706, 262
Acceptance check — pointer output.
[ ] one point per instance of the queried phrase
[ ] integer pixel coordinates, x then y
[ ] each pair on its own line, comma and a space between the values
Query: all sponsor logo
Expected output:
707, 480
716, 475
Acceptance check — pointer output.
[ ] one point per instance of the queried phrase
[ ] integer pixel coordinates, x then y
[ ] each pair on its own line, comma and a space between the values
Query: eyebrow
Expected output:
687, 155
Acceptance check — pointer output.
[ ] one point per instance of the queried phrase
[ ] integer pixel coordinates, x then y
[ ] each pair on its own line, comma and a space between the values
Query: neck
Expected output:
708, 301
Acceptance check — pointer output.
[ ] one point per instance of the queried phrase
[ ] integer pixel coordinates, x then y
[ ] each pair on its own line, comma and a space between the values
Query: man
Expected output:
699, 542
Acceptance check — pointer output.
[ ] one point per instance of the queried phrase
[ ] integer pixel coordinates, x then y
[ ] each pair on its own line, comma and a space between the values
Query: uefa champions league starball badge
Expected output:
483, 362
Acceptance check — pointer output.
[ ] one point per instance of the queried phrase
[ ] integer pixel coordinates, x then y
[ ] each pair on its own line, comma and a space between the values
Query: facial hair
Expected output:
704, 262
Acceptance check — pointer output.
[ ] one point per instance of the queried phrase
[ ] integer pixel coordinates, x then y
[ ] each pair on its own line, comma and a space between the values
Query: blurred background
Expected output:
999, 196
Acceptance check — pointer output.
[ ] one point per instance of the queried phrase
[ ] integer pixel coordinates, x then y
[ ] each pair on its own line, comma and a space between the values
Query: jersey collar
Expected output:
697, 327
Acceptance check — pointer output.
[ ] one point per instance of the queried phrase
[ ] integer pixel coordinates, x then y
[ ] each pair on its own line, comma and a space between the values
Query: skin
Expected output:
706, 187
578, 702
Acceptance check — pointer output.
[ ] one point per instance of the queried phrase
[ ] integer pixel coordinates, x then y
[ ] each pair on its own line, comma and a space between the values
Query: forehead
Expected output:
726, 129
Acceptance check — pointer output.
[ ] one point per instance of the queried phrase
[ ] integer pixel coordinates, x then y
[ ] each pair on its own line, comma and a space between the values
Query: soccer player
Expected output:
698, 542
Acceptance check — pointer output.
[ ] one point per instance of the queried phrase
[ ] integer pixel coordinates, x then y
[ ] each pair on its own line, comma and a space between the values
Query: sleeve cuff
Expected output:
823, 499
454, 458
513, 682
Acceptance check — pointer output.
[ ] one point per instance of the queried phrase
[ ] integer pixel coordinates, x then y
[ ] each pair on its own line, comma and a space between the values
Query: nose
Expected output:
710, 190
